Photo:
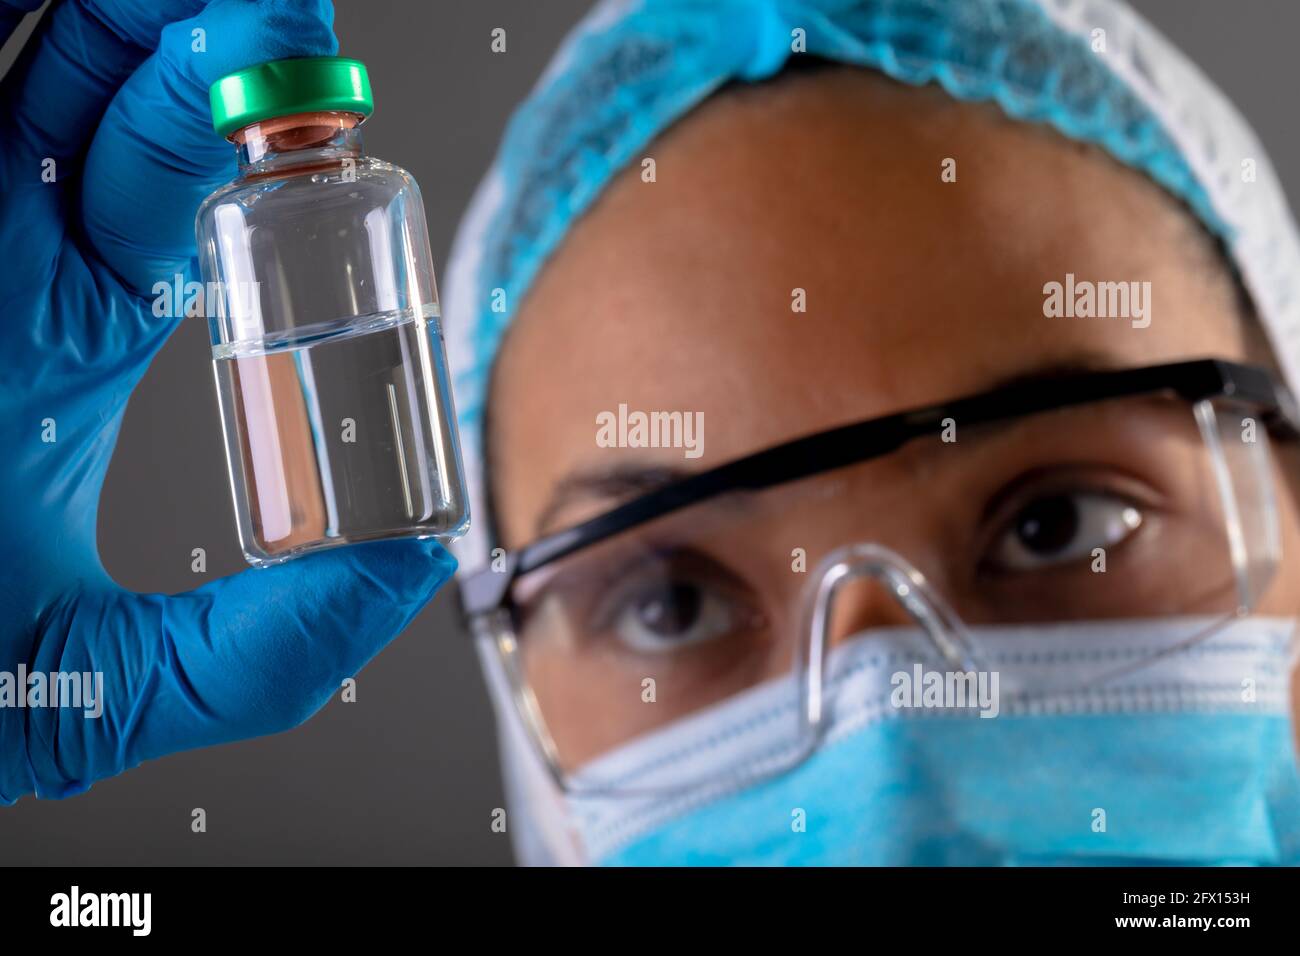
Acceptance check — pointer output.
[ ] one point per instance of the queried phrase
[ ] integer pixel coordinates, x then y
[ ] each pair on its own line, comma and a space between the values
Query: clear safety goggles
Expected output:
1112, 496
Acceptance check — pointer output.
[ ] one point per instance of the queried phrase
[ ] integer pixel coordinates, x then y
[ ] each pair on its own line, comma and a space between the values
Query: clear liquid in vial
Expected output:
337, 437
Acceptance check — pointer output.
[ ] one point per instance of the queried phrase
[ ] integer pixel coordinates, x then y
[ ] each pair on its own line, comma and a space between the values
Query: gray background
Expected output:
408, 773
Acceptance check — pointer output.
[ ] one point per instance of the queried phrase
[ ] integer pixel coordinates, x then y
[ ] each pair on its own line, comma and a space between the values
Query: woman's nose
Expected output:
862, 604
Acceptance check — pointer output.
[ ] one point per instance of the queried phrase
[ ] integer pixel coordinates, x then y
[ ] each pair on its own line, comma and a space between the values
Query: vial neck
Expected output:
303, 139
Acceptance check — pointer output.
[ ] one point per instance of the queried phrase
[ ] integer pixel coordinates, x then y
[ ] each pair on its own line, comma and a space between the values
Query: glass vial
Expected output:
326, 340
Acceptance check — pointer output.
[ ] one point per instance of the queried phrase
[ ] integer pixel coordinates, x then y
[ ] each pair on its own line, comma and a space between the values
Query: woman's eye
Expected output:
1060, 528
669, 614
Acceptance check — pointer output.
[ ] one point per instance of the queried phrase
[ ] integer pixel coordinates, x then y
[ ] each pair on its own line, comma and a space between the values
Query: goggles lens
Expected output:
1126, 509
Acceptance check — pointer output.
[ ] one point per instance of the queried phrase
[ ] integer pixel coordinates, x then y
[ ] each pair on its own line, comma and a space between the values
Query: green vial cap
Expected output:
309, 84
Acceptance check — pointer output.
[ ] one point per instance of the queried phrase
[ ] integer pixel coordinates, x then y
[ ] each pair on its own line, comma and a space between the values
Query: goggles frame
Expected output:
486, 594
487, 589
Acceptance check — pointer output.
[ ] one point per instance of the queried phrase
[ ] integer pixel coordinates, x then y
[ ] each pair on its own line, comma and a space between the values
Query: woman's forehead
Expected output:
828, 248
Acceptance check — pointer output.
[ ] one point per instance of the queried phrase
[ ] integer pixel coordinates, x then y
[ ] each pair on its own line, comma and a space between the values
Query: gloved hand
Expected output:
110, 100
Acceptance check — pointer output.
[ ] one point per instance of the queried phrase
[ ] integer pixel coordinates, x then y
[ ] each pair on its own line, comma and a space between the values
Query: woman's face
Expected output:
676, 294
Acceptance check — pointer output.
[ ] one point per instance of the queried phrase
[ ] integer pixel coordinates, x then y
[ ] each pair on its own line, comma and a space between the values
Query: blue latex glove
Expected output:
114, 92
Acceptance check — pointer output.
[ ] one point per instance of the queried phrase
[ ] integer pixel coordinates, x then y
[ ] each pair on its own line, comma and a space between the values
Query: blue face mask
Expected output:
1186, 760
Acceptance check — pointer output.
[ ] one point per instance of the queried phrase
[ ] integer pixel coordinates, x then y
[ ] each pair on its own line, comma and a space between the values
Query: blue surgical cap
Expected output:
1090, 68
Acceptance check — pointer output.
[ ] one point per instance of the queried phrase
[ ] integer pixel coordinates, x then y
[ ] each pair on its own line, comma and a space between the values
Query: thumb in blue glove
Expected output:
106, 150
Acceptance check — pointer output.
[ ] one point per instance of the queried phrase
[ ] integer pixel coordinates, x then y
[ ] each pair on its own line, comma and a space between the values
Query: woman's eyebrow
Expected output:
621, 483
1082, 363
616, 483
